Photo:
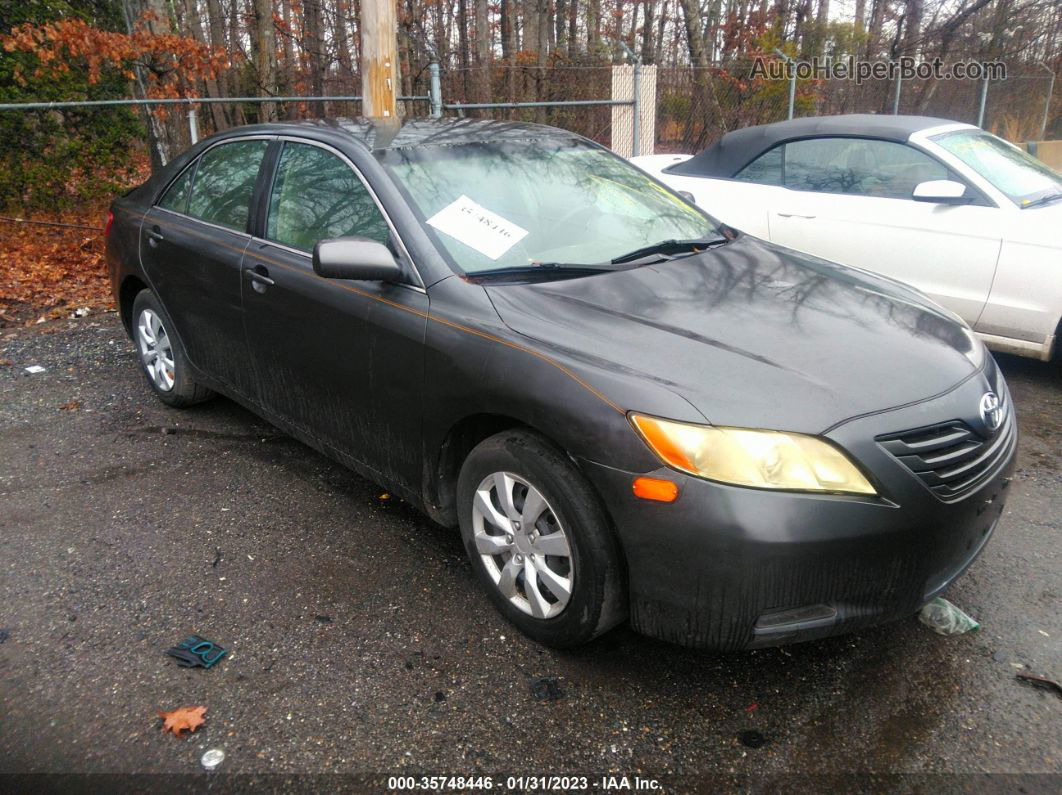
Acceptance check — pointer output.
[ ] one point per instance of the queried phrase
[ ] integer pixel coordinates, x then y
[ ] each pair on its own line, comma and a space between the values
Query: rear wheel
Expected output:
162, 357
539, 540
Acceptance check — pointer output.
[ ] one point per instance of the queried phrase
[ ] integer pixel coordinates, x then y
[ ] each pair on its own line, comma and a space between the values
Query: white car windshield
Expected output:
1024, 179
520, 204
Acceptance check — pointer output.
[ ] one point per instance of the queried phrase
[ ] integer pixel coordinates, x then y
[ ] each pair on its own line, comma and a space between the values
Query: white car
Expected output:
969, 219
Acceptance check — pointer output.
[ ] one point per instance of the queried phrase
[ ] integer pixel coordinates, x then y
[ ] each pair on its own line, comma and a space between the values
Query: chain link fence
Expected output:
696, 106
533, 83
681, 109
1025, 107
526, 92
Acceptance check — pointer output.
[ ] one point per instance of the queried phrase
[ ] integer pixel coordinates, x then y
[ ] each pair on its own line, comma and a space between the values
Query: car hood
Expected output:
752, 334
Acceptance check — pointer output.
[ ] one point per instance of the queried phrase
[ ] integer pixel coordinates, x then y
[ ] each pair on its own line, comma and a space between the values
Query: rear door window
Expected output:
224, 182
317, 196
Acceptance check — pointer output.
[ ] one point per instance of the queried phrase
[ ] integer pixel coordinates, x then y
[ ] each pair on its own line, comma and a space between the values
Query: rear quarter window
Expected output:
764, 170
176, 196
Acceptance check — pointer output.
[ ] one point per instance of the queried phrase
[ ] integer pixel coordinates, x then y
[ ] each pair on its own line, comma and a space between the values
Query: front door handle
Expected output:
259, 276
795, 215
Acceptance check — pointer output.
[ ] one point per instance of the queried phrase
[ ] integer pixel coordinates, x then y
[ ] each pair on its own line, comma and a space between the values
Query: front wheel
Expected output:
162, 357
539, 540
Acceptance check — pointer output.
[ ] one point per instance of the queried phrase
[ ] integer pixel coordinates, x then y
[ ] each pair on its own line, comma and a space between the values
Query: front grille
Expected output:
951, 458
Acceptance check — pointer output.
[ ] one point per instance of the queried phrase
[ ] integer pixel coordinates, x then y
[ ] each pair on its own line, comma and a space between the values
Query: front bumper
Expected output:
725, 567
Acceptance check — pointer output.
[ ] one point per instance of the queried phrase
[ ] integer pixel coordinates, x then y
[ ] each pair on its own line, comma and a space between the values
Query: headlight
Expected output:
761, 459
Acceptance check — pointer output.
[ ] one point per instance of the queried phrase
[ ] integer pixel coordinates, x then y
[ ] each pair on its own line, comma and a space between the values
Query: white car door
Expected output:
1026, 300
848, 200
1024, 309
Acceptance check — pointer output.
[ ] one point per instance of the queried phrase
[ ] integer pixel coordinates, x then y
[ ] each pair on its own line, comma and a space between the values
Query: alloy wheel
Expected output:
522, 544
156, 351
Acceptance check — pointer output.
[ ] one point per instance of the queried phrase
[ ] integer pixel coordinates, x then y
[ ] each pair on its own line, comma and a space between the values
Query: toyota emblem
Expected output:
991, 411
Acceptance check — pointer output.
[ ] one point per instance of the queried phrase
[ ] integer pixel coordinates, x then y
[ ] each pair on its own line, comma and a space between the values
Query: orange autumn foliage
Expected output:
169, 62
50, 271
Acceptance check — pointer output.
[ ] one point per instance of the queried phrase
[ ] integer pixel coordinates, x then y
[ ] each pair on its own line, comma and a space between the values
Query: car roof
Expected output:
737, 149
414, 131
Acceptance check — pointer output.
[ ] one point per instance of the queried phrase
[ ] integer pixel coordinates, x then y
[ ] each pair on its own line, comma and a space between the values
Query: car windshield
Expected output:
1024, 179
519, 205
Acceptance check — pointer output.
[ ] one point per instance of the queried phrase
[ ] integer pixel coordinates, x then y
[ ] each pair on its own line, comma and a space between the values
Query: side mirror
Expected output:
941, 191
355, 258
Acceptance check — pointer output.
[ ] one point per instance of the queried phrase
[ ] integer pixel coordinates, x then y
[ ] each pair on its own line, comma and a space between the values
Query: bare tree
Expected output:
484, 55
593, 27
265, 57
313, 50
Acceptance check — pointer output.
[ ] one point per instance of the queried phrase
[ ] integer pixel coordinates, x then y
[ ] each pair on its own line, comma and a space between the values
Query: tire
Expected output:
524, 584
168, 376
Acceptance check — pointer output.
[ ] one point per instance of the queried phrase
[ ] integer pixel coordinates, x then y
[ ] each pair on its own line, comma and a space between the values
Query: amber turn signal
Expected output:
655, 489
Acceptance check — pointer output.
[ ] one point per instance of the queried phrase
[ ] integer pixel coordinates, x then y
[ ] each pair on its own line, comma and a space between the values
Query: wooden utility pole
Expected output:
379, 61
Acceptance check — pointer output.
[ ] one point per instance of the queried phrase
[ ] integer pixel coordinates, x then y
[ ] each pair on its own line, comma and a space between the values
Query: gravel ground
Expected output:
359, 642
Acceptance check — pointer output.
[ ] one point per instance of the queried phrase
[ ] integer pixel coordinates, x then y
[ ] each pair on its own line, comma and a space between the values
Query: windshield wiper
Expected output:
1050, 197
543, 268
664, 250
669, 247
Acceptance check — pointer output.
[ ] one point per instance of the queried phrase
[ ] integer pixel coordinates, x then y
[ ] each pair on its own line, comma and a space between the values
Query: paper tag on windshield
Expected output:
477, 227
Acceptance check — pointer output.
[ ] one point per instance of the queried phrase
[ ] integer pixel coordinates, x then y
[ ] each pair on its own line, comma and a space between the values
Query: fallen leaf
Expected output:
183, 719
51, 272
73, 405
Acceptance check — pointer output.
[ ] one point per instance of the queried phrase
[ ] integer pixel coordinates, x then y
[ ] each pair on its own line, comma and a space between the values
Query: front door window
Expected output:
316, 196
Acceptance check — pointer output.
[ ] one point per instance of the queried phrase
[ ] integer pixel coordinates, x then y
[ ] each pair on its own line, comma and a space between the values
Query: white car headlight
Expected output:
746, 457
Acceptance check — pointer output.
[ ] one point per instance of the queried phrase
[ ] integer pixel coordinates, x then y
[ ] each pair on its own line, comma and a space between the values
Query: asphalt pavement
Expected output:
359, 642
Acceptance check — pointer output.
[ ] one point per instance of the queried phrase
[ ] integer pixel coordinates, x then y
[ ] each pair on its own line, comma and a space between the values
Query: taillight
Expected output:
110, 220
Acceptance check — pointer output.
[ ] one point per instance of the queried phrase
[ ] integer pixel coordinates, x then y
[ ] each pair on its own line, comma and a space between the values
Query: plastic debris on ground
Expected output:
1041, 682
944, 618
212, 758
33, 369
196, 652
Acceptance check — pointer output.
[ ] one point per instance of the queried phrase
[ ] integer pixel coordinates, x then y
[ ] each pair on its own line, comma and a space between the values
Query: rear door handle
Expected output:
259, 276
154, 235
795, 215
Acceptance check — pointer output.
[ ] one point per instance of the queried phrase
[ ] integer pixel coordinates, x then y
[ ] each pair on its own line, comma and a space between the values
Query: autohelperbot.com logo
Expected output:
850, 68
